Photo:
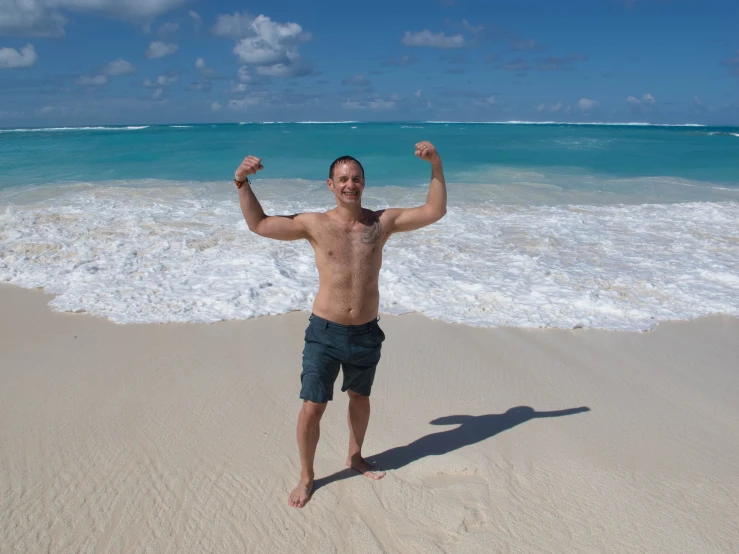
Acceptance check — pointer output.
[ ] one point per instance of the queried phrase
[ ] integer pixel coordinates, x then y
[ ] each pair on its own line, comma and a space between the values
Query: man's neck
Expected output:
349, 214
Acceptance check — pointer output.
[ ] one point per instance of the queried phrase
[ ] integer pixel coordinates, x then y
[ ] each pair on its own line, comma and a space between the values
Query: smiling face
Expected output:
347, 184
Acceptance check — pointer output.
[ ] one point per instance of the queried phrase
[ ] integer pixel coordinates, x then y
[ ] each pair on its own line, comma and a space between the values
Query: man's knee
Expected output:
356, 397
313, 410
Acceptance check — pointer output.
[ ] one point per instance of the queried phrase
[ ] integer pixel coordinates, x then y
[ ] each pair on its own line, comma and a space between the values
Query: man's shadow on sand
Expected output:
471, 430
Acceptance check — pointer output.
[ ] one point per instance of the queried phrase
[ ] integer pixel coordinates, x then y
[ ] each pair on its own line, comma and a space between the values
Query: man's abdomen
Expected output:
347, 306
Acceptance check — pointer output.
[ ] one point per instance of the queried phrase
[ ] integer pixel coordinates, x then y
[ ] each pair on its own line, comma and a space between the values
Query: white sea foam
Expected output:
181, 126
295, 122
47, 129
600, 123
158, 253
721, 133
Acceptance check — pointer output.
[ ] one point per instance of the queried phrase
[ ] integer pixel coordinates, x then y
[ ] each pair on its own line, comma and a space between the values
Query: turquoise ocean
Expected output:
608, 226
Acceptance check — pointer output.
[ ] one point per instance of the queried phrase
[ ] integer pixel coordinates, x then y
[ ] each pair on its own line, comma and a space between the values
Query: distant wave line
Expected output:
44, 129
602, 123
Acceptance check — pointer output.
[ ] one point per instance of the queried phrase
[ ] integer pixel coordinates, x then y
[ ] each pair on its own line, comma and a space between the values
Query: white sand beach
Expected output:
181, 438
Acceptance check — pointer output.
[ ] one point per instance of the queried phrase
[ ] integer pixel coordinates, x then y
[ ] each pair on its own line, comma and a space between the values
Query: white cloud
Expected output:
271, 43
234, 26
417, 94
250, 51
125, 9
204, 71
197, 21
357, 81
11, 115
44, 17
523, 46
433, 40
215, 106
485, 102
555, 108
380, 105
400, 62
30, 18
276, 70
158, 49
645, 101
374, 104
586, 104
168, 29
702, 106
273, 47
285, 70
474, 29
200, 86
244, 75
118, 67
516, 65
162, 81
237, 88
10, 58
158, 93
92, 80
250, 101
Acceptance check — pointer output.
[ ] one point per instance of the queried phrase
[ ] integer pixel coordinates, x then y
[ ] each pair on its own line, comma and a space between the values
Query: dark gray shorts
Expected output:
328, 345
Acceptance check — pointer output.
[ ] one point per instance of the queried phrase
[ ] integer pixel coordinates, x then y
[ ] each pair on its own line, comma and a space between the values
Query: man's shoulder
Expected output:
312, 219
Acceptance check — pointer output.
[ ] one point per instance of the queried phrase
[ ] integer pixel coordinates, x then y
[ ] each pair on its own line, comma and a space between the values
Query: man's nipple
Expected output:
330, 252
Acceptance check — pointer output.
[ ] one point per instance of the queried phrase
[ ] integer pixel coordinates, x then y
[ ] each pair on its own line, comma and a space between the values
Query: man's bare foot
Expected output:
360, 465
301, 494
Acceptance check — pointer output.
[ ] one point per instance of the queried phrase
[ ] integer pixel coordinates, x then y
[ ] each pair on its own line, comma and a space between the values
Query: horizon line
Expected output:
142, 126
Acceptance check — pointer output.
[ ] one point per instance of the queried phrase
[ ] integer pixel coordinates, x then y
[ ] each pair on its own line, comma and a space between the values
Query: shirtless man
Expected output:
343, 329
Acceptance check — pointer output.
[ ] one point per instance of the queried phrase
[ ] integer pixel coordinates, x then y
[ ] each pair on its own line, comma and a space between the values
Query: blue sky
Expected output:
83, 62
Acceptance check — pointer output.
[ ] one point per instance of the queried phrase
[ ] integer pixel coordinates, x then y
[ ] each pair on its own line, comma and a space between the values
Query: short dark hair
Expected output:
343, 160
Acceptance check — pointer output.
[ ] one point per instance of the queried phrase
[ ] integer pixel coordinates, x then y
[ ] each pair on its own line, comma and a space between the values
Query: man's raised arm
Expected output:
409, 219
280, 227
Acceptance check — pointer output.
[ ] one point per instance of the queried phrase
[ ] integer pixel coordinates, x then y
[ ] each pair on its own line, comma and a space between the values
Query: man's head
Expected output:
346, 180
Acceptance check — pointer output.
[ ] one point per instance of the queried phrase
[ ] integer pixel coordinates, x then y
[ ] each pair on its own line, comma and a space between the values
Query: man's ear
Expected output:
330, 184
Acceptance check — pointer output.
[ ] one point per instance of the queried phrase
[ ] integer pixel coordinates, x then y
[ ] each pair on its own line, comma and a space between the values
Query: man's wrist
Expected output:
241, 182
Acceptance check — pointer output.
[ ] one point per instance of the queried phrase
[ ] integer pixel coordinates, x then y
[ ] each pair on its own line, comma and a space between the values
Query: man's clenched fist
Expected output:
249, 166
427, 151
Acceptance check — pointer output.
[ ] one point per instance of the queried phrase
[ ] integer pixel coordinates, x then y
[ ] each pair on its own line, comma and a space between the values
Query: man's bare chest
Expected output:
351, 246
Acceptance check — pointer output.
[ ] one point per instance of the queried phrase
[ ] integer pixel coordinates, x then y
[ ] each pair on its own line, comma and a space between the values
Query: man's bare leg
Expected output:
309, 431
358, 418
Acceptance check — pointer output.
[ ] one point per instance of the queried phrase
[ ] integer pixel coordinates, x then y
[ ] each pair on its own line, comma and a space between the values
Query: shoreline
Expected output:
180, 437
50, 296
